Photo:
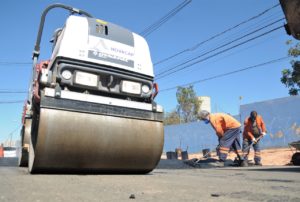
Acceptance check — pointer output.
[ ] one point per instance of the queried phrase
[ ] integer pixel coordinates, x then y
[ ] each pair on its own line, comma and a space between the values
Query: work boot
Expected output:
258, 164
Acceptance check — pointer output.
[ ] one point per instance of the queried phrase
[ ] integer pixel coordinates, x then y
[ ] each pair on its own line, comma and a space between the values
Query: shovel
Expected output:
252, 143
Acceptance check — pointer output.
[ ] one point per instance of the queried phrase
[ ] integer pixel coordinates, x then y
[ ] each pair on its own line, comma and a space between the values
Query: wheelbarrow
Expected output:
295, 147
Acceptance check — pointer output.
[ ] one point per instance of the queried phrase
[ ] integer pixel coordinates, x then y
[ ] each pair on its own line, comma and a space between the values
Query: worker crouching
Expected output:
254, 130
228, 131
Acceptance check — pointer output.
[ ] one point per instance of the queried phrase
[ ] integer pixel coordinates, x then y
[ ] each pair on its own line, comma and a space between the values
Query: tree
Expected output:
171, 118
188, 104
291, 77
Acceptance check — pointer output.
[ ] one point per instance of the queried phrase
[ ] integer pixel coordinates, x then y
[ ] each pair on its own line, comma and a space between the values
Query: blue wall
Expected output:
281, 116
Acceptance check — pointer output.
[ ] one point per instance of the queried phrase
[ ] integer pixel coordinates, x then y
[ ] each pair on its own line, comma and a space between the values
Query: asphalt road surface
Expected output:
171, 181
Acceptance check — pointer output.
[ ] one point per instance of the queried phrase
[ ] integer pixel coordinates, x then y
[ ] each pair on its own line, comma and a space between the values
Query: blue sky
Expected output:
197, 22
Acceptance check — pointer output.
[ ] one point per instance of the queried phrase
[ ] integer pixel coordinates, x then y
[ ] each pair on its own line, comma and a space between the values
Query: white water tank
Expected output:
204, 103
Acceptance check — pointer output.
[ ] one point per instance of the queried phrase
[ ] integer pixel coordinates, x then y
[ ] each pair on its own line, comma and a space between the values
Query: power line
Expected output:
226, 74
257, 24
7, 89
15, 63
243, 49
215, 36
12, 92
12, 102
219, 47
12, 132
237, 51
164, 19
226, 39
221, 42
208, 57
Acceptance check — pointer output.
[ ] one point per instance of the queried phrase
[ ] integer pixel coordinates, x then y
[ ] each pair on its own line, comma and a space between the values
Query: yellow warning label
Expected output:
101, 21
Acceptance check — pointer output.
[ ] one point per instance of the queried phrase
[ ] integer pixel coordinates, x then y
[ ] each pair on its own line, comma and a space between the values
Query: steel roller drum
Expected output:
75, 141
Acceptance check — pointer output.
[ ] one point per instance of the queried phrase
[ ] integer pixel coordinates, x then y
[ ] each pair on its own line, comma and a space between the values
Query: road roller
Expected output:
90, 107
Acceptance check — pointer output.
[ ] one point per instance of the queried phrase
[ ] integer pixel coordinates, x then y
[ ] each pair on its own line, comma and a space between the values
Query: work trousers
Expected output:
230, 141
246, 150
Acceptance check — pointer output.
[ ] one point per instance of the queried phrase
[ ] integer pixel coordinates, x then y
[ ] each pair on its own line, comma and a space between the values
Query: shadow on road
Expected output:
172, 164
178, 164
277, 169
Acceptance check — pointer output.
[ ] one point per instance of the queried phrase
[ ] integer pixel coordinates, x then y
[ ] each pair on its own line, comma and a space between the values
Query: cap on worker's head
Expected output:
203, 114
253, 114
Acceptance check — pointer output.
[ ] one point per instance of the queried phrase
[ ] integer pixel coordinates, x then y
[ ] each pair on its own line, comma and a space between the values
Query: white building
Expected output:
10, 143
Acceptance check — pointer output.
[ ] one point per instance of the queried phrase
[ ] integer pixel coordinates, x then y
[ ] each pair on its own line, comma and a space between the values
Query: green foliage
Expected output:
171, 118
291, 77
187, 108
188, 104
295, 50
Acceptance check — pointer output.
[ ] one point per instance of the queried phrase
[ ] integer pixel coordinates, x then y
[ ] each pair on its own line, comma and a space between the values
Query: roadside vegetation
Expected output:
186, 109
291, 76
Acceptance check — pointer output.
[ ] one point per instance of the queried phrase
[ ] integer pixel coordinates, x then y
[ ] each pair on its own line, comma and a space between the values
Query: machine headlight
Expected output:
66, 74
131, 87
145, 89
86, 79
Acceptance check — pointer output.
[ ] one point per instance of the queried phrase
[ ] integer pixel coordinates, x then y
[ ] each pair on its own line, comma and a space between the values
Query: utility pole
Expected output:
10, 141
240, 102
11, 134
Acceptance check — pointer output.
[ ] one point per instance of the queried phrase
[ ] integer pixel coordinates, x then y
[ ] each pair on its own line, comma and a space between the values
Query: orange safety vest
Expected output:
222, 122
248, 131
1, 152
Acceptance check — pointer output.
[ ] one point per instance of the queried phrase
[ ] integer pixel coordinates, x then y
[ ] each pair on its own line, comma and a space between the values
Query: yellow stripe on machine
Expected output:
101, 21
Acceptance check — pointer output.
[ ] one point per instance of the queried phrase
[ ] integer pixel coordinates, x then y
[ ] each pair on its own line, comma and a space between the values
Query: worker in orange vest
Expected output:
228, 131
1, 151
254, 130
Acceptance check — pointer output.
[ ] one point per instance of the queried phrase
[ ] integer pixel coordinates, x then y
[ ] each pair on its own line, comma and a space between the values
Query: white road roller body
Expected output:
91, 106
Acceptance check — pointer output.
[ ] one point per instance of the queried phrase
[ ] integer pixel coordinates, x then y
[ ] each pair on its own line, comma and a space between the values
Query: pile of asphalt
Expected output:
190, 164
172, 164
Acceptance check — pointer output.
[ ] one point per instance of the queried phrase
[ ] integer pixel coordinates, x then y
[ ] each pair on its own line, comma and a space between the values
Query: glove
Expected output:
264, 133
254, 141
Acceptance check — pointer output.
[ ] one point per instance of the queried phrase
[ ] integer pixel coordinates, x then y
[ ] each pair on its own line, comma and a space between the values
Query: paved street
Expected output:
172, 181
11, 162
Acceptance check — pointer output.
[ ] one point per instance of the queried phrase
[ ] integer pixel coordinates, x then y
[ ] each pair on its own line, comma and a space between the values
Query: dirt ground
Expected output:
270, 157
